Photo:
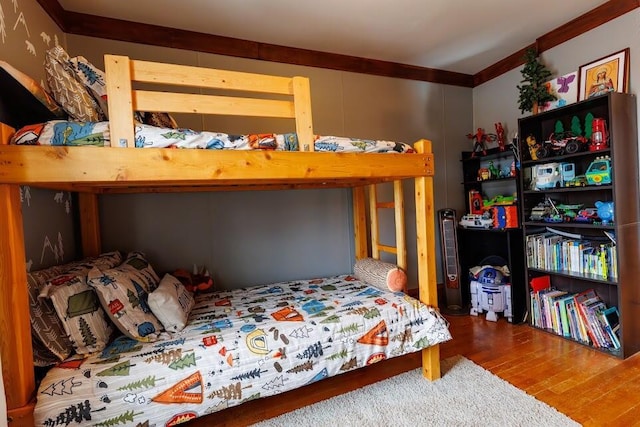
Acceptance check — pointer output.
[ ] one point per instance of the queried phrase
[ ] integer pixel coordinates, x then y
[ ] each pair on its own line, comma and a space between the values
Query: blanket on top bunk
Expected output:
239, 345
62, 132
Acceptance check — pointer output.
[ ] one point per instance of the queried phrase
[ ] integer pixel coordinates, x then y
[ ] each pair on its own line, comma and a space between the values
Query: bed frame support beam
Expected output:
15, 341
89, 224
426, 249
360, 223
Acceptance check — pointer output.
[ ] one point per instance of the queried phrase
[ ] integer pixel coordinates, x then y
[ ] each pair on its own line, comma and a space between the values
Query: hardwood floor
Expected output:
589, 386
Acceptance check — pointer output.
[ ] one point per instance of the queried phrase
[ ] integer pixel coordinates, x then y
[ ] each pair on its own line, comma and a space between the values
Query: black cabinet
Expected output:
567, 240
491, 185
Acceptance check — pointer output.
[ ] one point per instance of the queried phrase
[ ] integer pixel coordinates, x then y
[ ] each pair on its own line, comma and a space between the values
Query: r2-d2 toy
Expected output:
490, 292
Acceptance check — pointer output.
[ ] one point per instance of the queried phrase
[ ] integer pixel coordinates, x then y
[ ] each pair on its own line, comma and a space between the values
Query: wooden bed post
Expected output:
401, 239
119, 98
15, 341
302, 106
360, 223
89, 224
426, 247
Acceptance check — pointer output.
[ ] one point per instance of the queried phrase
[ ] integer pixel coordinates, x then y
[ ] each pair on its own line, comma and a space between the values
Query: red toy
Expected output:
475, 202
500, 138
480, 139
194, 282
504, 217
599, 135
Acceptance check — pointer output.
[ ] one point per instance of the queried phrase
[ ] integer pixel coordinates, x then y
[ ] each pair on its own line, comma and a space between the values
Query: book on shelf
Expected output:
589, 304
552, 252
581, 316
563, 315
610, 320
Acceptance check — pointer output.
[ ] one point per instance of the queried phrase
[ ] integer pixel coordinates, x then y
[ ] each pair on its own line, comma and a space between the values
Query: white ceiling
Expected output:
465, 36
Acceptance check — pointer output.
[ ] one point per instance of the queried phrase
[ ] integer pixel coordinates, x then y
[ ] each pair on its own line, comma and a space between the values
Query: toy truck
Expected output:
554, 175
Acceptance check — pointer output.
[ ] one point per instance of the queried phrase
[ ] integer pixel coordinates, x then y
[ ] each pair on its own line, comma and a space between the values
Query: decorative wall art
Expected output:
565, 88
608, 74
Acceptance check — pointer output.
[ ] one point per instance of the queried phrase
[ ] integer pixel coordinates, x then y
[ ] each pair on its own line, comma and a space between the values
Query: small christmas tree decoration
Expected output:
533, 91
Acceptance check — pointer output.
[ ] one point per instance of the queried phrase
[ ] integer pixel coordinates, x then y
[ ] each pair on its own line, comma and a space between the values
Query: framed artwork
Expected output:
565, 88
608, 74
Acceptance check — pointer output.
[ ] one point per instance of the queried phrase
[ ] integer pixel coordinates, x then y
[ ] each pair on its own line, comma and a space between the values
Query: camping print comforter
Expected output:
60, 132
238, 346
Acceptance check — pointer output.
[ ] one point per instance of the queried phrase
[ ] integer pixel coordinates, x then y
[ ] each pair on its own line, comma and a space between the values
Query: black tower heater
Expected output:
450, 265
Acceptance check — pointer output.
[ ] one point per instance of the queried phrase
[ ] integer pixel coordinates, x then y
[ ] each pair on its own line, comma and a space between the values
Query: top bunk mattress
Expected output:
73, 133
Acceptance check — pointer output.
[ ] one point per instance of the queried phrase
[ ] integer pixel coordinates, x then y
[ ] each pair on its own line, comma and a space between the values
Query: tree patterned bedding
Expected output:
62, 132
238, 346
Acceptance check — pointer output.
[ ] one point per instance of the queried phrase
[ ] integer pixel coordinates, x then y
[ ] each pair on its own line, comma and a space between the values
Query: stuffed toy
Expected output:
197, 281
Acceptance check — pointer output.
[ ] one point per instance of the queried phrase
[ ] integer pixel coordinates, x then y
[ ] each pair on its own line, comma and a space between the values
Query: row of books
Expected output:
550, 251
581, 316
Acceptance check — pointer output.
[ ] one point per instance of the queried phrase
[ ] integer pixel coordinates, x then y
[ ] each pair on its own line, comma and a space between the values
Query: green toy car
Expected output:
599, 171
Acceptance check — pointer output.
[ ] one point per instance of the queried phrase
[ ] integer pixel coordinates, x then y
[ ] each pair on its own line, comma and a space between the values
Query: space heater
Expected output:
450, 265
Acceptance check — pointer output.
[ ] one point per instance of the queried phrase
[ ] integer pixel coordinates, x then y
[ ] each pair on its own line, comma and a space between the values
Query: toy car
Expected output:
568, 211
541, 211
561, 143
476, 221
578, 181
555, 218
587, 215
599, 171
553, 175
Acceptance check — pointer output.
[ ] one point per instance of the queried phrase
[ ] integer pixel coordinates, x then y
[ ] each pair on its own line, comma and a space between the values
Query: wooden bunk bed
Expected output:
122, 168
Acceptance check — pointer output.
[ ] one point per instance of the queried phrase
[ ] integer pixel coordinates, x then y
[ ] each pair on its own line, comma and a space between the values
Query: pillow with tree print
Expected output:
65, 88
124, 291
80, 311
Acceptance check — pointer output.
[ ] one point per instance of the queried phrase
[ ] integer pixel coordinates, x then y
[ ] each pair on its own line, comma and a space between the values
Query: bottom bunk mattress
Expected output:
239, 345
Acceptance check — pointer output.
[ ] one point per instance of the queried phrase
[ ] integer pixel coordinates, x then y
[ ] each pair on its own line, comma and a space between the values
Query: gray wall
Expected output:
48, 219
243, 238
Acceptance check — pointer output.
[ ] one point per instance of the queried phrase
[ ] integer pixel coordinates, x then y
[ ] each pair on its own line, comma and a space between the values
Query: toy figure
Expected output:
495, 172
533, 147
605, 212
490, 292
500, 136
480, 139
198, 281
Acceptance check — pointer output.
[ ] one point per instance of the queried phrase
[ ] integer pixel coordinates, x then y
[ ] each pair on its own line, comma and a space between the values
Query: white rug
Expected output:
466, 395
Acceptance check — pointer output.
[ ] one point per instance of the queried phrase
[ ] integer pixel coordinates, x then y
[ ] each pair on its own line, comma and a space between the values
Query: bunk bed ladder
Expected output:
397, 204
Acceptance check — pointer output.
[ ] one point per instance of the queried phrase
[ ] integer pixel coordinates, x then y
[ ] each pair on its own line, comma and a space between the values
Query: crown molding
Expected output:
135, 32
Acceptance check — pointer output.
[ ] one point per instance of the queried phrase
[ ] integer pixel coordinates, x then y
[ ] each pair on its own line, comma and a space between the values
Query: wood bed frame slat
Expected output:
210, 104
185, 75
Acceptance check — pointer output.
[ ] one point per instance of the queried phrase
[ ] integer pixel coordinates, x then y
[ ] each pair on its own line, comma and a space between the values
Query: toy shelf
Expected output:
478, 244
599, 253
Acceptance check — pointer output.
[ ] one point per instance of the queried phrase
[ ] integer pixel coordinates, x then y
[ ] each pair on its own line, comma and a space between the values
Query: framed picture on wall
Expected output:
608, 74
